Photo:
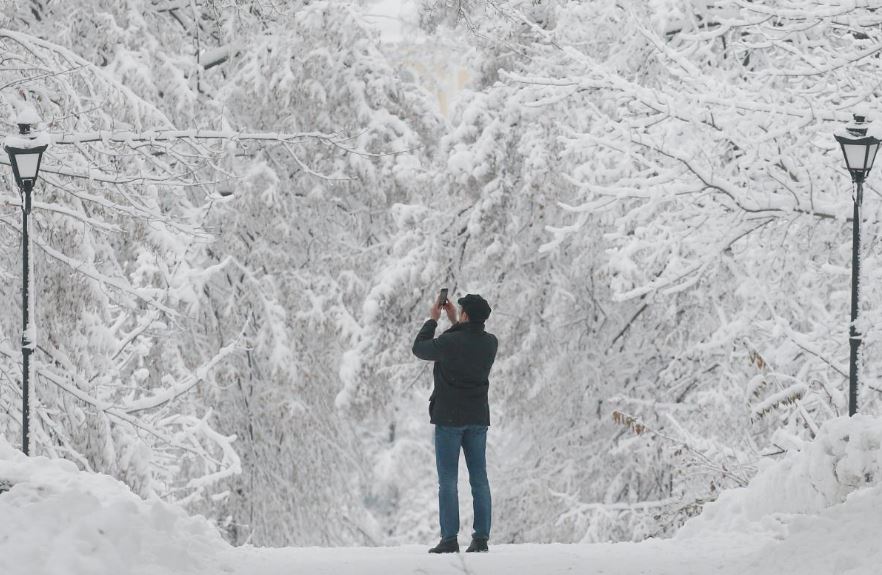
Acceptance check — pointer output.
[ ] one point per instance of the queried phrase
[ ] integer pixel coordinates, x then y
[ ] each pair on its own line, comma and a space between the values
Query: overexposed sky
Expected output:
393, 18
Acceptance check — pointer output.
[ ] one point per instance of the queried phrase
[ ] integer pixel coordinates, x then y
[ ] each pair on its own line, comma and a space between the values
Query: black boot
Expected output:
446, 546
479, 545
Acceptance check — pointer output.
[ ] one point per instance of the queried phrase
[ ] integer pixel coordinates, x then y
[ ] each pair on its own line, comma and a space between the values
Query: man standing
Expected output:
458, 407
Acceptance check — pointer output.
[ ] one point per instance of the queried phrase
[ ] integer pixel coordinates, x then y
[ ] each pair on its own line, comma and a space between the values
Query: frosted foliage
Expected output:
248, 207
311, 232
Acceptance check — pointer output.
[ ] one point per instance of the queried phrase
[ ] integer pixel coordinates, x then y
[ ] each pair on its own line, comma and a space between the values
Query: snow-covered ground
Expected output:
815, 511
656, 557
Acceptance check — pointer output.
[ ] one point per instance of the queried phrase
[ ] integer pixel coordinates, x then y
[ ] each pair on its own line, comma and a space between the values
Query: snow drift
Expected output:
845, 457
57, 520
816, 510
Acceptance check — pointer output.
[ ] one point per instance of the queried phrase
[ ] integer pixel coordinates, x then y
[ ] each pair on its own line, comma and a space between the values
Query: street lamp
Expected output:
25, 151
859, 150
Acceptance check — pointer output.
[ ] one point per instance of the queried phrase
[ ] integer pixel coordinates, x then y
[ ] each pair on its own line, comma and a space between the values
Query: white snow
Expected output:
844, 459
813, 512
27, 115
28, 142
655, 557
57, 520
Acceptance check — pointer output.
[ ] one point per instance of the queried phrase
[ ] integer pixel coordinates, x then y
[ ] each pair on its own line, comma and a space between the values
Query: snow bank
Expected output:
813, 512
57, 520
844, 458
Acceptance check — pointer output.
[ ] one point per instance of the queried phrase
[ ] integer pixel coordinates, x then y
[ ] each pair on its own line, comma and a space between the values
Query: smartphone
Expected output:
442, 297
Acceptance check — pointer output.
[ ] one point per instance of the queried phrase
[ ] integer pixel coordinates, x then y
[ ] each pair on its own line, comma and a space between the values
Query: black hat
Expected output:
476, 307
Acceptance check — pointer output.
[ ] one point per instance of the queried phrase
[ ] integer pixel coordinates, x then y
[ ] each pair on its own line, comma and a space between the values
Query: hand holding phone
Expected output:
448, 306
442, 298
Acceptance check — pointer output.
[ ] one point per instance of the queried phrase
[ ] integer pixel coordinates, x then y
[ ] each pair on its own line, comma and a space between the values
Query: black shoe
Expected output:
479, 545
446, 546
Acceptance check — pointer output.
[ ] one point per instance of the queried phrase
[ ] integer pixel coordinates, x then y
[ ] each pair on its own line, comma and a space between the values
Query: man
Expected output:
458, 407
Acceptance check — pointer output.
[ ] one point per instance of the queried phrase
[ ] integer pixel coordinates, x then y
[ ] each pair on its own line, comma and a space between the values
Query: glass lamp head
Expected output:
859, 147
25, 149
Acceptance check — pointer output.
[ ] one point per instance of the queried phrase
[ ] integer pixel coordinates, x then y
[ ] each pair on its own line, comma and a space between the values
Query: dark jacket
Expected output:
463, 356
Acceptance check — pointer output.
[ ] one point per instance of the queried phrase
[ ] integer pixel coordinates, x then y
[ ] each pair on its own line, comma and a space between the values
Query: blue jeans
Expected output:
473, 440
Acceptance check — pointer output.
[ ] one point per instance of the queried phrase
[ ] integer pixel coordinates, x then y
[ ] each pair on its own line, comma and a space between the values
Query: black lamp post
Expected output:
25, 151
859, 150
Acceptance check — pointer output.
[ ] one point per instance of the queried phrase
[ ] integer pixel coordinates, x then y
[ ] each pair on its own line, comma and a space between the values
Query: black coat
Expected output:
463, 356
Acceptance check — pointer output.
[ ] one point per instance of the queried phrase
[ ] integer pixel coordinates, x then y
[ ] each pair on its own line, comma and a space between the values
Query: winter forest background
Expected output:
648, 193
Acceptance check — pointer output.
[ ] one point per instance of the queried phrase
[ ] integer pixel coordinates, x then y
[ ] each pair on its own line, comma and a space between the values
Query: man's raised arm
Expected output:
425, 346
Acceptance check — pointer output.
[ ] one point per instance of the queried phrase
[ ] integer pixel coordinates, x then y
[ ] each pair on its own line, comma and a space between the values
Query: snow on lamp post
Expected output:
25, 151
859, 148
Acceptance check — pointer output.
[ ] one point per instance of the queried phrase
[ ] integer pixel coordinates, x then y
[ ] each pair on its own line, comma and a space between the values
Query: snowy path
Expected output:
653, 557
813, 512
840, 540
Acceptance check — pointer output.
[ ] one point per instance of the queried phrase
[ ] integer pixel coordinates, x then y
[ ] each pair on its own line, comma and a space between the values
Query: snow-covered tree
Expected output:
692, 153
248, 208
308, 230
113, 228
